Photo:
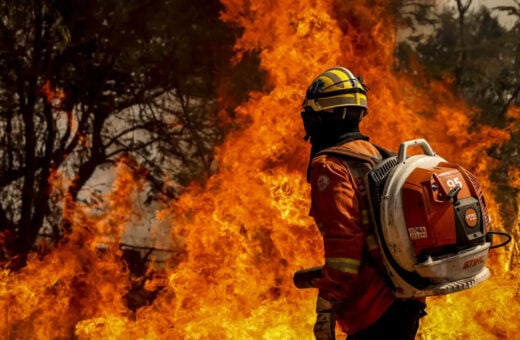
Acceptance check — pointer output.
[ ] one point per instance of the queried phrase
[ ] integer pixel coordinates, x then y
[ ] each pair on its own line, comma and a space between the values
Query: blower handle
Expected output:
427, 149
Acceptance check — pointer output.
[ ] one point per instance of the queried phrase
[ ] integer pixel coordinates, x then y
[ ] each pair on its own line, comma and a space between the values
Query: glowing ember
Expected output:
247, 230
53, 97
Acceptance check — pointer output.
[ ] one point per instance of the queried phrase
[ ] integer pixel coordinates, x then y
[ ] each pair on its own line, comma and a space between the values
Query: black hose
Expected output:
490, 234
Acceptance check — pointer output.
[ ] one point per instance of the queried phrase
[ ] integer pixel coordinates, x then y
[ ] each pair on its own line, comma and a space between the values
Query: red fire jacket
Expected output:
353, 272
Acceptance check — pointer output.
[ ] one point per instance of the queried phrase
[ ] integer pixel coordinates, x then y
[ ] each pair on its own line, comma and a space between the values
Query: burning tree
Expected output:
245, 230
87, 82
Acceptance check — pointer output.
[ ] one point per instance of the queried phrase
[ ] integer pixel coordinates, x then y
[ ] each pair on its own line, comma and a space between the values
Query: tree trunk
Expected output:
28, 231
86, 170
461, 54
514, 96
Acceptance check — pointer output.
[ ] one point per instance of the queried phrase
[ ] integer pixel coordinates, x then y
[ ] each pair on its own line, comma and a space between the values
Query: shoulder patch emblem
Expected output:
323, 182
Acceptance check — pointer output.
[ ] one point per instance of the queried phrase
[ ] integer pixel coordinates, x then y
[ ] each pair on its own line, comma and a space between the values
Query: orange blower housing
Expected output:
446, 210
431, 223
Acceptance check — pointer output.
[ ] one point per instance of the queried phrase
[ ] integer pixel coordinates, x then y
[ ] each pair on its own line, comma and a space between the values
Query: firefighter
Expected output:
353, 289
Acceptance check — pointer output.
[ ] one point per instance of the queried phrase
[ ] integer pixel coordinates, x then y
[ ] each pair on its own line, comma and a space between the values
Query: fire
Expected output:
53, 97
76, 281
247, 230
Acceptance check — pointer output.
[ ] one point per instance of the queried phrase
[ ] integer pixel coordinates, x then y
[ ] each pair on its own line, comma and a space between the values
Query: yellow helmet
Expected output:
336, 87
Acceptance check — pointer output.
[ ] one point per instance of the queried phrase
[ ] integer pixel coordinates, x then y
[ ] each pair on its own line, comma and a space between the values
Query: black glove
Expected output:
324, 328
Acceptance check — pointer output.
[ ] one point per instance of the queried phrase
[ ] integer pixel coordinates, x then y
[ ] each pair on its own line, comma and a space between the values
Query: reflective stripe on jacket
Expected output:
352, 272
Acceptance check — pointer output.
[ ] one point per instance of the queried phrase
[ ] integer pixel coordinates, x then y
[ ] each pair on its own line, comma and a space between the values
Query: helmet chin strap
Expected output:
344, 115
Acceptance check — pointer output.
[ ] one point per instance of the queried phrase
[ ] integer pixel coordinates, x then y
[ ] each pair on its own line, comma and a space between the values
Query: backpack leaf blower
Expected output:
431, 223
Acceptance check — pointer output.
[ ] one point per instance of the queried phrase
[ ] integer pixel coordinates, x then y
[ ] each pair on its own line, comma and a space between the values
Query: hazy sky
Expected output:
506, 20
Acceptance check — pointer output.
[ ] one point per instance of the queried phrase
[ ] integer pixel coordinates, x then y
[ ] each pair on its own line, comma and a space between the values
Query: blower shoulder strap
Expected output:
372, 160
385, 153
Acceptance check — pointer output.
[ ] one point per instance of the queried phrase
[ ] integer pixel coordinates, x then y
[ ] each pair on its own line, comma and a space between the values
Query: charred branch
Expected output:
461, 50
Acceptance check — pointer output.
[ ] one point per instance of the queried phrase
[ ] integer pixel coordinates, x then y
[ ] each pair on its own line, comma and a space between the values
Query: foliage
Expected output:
489, 72
83, 83
412, 14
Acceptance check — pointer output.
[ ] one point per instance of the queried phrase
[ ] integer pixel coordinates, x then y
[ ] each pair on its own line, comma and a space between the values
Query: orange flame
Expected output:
76, 281
247, 230
53, 97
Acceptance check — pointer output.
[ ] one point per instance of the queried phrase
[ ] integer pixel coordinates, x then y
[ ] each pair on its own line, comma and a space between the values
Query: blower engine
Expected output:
431, 223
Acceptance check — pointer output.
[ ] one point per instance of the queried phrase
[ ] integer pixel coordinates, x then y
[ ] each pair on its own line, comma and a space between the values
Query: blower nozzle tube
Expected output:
304, 278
